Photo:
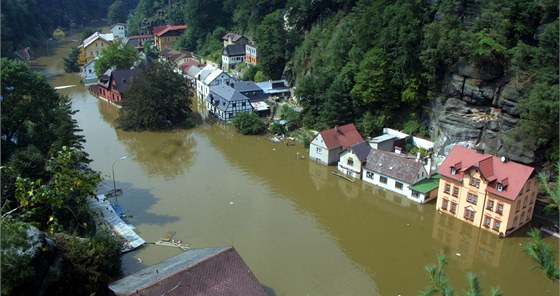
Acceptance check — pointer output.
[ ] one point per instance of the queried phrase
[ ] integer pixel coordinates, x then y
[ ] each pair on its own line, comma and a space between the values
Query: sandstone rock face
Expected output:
479, 107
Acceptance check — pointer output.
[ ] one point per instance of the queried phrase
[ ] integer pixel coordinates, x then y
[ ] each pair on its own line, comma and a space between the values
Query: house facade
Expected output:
485, 191
112, 85
225, 102
119, 30
93, 46
165, 36
209, 76
251, 54
326, 146
88, 72
59, 34
353, 159
232, 55
394, 172
233, 38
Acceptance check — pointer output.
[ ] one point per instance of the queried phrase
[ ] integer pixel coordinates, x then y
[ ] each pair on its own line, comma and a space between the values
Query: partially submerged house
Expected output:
326, 146
395, 172
225, 102
112, 85
353, 159
200, 272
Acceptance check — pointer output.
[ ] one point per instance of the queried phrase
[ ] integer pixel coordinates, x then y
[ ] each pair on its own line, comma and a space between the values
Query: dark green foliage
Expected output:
118, 12
291, 116
116, 55
31, 22
88, 263
71, 61
272, 39
249, 123
157, 99
277, 129
88, 31
542, 254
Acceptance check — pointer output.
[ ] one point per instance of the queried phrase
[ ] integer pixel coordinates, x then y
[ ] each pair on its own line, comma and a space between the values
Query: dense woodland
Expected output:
380, 63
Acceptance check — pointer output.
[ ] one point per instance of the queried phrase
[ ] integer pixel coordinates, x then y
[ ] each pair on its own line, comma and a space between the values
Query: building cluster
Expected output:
486, 191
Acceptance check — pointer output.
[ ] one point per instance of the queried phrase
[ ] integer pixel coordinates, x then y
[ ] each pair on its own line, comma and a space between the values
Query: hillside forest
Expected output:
377, 63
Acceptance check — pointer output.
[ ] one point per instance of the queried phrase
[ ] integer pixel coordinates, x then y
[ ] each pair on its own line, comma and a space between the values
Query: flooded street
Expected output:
301, 229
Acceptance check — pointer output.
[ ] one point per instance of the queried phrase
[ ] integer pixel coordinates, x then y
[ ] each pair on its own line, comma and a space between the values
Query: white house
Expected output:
209, 76
353, 159
326, 146
225, 102
395, 172
232, 55
119, 30
88, 72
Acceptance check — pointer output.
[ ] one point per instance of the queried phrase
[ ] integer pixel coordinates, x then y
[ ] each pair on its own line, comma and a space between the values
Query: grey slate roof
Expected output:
361, 150
193, 71
393, 165
250, 90
233, 50
221, 95
123, 77
208, 271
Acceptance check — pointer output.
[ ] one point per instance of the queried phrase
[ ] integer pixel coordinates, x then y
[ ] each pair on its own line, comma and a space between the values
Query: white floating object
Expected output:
139, 260
231, 202
458, 254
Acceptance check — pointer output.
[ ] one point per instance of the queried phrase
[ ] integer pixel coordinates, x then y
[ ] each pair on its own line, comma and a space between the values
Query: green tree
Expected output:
116, 55
71, 61
117, 12
272, 39
552, 192
88, 31
248, 123
542, 254
260, 76
157, 99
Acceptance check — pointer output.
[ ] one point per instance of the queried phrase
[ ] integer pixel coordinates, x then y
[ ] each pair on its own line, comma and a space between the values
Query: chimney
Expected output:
428, 165
418, 156
397, 150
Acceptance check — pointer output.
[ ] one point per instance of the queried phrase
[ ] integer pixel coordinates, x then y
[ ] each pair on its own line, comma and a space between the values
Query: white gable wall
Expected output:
318, 150
349, 164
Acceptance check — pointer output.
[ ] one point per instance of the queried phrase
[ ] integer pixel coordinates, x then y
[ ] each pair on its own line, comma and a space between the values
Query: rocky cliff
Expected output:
479, 107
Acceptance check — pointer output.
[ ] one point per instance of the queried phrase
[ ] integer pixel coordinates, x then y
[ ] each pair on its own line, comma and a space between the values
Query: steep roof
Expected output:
213, 75
232, 36
221, 95
208, 271
341, 136
161, 30
109, 37
249, 89
361, 150
396, 166
511, 175
233, 50
188, 64
174, 55
123, 78
192, 71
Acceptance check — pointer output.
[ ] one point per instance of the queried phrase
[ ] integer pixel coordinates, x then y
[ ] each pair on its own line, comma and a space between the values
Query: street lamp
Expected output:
114, 183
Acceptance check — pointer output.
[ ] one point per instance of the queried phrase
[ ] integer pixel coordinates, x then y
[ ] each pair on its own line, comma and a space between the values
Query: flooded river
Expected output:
301, 230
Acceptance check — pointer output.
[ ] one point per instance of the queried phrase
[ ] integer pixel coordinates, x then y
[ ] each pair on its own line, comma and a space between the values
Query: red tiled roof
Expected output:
512, 175
186, 65
140, 37
160, 30
210, 271
345, 136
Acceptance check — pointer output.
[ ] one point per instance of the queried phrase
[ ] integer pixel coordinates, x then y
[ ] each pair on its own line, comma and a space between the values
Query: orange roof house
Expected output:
487, 191
165, 36
326, 145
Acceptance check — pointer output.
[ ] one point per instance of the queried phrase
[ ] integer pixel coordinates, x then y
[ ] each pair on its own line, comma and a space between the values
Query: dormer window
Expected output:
500, 187
453, 171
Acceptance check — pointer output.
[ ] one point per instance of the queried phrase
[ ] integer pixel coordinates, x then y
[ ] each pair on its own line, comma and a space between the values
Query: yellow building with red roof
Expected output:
165, 36
487, 191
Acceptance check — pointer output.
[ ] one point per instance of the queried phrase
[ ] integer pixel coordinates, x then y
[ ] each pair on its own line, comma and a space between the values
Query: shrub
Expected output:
248, 123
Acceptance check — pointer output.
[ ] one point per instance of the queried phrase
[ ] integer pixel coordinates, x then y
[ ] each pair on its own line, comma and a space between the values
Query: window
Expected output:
469, 214
514, 222
234, 105
490, 205
500, 208
453, 171
518, 206
415, 194
319, 150
369, 175
497, 224
528, 186
455, 191
487, 221
472, 198
475, 182
522, 219
453, 208
447, 188
243, 104
383, 180
398, 185
525, 200
350, 161
444, 204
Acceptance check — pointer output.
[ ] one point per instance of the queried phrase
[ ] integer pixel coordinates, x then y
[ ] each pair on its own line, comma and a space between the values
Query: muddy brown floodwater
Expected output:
301, 230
